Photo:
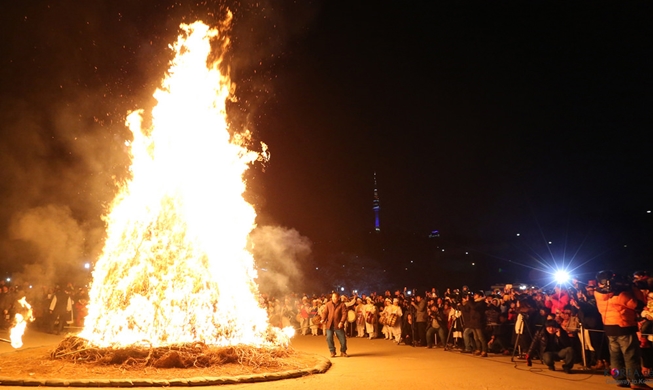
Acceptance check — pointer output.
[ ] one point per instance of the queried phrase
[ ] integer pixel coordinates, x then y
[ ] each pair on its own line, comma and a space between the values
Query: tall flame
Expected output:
174, 268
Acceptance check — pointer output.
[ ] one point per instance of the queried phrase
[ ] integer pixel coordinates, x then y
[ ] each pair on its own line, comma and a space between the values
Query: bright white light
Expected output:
522, 287
408, 292
87, 265
549, 242
342, 289
518, 234
561, 277
8, 279
473, 263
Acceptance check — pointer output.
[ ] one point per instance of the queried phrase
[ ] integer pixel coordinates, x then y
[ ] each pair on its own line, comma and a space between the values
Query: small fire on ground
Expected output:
174, 268
23, 316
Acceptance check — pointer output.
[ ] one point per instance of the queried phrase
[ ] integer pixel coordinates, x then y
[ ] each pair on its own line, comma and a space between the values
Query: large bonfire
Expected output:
174, 269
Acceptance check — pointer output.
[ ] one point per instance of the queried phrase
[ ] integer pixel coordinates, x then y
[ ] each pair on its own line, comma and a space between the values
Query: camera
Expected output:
609, 282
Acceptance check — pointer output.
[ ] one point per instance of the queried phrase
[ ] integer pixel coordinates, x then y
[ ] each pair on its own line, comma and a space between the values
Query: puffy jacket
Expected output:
618, 309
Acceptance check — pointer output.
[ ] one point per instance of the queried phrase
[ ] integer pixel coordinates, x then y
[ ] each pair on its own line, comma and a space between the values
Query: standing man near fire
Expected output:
618, 300
334, 319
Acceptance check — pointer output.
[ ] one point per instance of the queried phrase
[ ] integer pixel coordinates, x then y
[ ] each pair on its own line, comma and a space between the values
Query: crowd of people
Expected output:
53, 308
604, 324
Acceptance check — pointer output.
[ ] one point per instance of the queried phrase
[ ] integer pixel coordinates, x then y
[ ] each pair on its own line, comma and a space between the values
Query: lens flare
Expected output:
561, 277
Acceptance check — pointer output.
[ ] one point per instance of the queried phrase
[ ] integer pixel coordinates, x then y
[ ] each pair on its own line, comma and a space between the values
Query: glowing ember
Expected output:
174, 268
16, 333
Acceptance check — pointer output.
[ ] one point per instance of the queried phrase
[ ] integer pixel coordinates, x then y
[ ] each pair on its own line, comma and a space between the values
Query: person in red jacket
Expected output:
618, 301
557, 301
335, 315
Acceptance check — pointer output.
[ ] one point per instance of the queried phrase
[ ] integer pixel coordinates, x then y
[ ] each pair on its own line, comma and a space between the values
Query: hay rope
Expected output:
191, 355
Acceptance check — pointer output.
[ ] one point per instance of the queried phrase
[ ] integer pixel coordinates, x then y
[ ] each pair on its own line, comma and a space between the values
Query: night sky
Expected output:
482, 120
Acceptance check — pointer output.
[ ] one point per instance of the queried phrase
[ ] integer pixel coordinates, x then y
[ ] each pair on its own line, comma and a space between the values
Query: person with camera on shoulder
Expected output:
619, 301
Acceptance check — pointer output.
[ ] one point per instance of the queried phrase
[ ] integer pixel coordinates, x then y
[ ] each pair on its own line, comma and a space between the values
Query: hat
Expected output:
552, 323
369, 299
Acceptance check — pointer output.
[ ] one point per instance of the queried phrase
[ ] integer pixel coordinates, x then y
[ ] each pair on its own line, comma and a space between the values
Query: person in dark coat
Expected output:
552, 345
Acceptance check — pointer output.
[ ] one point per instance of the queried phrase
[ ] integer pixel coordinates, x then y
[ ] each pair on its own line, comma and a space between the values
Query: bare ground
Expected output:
36, 363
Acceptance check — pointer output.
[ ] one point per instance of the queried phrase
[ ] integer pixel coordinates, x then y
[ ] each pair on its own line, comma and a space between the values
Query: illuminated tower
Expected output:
376, 207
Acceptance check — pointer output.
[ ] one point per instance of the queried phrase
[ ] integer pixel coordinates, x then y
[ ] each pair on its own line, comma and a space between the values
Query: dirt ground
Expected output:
36, 363
381, 364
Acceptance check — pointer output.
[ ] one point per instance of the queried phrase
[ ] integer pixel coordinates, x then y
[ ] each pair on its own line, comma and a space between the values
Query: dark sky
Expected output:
481, 119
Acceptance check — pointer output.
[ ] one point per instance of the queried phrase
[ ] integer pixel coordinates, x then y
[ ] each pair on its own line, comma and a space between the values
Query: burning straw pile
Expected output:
193, 355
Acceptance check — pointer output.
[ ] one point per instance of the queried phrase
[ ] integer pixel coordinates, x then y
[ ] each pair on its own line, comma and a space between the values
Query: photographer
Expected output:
618, 302
475, 323
419, 304
436, 325
552, 345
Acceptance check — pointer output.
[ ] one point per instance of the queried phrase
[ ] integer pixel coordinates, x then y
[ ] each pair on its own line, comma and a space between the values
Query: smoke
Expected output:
57, 238
278, 253
70, 73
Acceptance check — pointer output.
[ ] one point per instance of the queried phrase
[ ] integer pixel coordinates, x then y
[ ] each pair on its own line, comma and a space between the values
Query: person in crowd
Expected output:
558, 300
334, 319
456, 325
552, 345
6, 306
304, 316
512, 310
643, 281
618, 300
407, 330
80, 306
383, 319
646, 329
60, 308
360, 318
322, 312
371, 318
595, 342
435, 332
421, 317
466, 320
394, 320
477, 322
314, 318
501, 335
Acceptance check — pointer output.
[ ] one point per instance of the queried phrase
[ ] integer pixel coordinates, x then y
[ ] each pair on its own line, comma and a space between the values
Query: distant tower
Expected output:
376, 207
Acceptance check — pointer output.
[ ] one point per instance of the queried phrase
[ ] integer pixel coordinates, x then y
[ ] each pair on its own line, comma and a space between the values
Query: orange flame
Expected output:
174, 268
17, 331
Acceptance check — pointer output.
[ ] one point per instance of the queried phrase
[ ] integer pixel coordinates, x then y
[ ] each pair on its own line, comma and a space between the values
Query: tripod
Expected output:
519, 331
457, 326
